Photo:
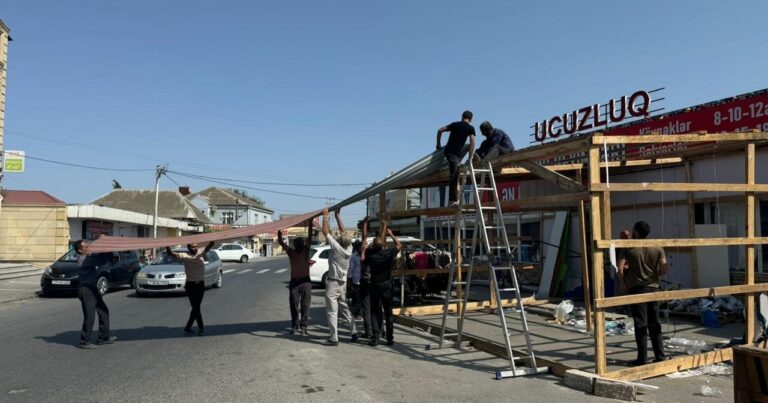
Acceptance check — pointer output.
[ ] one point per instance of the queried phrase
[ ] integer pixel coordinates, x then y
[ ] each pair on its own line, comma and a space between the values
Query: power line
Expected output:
87, 166
279, 183
204, 179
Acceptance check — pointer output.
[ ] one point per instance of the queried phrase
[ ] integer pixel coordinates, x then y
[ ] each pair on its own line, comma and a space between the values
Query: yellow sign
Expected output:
13, 161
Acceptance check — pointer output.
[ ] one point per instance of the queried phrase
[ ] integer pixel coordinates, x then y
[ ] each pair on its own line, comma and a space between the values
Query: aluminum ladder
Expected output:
486, 185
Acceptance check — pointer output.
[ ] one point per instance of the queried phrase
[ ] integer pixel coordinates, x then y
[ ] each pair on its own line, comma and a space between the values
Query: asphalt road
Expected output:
246, 354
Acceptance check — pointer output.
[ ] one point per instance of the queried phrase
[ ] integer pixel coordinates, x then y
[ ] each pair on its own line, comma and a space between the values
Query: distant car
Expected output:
166, 274
234, 252
62, 275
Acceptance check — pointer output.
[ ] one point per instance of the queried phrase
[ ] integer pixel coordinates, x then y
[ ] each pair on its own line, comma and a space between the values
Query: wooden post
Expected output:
597, 258
585, 265
692, 225
750, 252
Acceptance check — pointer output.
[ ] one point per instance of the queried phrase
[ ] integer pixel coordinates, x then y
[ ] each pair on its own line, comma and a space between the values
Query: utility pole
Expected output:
159, 171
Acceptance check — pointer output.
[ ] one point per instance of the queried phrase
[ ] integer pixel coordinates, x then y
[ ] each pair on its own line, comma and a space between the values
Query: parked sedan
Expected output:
166, 274
234, 252
62, 275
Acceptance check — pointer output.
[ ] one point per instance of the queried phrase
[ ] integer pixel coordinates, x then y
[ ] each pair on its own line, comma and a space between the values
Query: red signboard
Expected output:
507, 191
742, 113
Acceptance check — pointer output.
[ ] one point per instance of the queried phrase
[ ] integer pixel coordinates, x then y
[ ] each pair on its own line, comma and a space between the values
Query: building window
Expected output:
227, 217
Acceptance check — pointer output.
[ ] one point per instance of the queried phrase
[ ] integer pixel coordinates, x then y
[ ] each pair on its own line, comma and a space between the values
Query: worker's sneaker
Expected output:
294, 330
331, 343
188, 331
660, 359
637, 363
355, 338
390, 342
85, 345
374, 342
454, 204
108, 340
304, 331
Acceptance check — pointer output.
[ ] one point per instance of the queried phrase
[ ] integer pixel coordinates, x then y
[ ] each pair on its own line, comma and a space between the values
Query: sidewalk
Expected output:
18, 282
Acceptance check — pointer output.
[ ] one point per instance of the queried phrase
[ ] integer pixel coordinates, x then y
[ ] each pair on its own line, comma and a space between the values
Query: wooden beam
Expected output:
548, 175
679, 138
671, 243
471, 306
749, 158
597, 259
674, 364
678, 187
611, 164
482, 344
542, 203
603, 303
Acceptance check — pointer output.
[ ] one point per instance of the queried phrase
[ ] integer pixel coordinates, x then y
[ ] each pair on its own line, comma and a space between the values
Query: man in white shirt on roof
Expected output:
336, 282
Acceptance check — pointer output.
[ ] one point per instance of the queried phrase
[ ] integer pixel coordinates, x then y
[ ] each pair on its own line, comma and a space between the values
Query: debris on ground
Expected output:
688, 346
710, 391
716, 369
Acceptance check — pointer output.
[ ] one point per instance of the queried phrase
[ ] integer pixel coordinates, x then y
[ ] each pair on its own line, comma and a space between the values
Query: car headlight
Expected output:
141, 274
47, 271
181, 275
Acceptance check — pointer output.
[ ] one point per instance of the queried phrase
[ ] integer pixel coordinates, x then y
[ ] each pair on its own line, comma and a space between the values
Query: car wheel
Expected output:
322, 281
140, 294
102, 285
133, 281
219, 280
243, 259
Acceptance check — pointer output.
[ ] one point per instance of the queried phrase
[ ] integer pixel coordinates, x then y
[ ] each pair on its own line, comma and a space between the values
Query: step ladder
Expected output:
491, 242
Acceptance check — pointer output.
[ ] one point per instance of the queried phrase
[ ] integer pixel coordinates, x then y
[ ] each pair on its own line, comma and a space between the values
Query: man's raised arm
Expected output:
365, 238
281, 241
398, 245
326, 230
337, 213
207, 248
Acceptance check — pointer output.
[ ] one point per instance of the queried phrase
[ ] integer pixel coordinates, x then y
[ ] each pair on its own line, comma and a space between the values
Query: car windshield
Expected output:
70, 256
165, 258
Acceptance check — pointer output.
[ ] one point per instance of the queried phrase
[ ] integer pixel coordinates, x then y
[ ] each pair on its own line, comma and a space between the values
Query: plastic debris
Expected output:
562, 310
709, 391
689, 346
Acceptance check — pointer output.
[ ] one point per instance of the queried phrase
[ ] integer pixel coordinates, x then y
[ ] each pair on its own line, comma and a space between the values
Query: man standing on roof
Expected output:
299, 288
640, 271
496, 142
380, 261
336, 280
454, 150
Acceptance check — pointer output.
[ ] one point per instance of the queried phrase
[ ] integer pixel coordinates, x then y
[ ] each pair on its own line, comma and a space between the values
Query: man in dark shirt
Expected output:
454, 150
640, 271
380, 261
90, 299
299, 288
496, 142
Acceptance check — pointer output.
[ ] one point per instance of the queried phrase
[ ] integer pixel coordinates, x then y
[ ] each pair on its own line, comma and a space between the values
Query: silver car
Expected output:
166, 274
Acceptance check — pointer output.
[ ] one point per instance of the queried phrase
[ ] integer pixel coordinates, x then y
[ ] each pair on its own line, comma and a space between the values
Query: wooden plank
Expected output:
691, 223
483, 344
679, 138
603, 303
561, 181
585, 265
672, 243
750, 249
542, 203
674, 364
611, 164
597, 259
471, 306
678, 187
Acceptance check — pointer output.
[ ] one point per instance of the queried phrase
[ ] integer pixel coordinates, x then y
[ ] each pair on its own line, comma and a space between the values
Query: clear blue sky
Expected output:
336, 91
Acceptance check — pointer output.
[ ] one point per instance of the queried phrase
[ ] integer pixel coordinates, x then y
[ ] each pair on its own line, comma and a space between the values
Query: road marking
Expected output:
281, 271
262, 271
24, 282
246, 270
228, 271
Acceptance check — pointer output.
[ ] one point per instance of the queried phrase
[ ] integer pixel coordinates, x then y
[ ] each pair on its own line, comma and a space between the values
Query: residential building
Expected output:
33, 227
89, 221
172, 204
227, 209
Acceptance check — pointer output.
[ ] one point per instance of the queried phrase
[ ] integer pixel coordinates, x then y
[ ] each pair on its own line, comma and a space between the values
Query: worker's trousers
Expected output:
335, 304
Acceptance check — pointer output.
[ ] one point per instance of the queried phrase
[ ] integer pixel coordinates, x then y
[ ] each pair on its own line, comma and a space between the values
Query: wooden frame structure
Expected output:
597, 238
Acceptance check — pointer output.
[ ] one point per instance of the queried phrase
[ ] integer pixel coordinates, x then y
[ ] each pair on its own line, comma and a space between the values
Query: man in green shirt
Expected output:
640, 271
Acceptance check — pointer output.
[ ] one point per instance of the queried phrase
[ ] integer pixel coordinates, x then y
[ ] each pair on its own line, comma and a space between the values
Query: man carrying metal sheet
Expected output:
380, 260
336, 281
299, 288
455, 149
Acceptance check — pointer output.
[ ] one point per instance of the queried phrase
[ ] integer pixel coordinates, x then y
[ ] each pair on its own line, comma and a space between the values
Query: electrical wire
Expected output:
204, 179
88, 166
276, 183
